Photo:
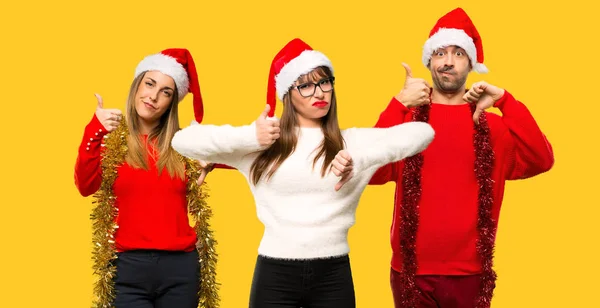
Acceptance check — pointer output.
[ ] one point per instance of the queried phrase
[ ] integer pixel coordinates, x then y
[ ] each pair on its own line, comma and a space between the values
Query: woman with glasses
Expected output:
306, 193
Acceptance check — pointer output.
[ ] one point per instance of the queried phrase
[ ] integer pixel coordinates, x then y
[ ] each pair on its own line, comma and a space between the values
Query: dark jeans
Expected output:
160, 279
440, 291
316, 283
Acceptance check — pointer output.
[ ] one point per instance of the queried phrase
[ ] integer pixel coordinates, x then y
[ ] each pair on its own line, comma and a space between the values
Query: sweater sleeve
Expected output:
394, 114
222, 166
88, 174
225, 144
529, 152
376, 147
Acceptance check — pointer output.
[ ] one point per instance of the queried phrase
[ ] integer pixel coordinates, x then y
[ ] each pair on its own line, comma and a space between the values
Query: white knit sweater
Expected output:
303, 215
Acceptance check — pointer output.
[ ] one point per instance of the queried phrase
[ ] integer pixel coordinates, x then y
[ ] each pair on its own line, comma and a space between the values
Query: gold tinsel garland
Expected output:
104, 225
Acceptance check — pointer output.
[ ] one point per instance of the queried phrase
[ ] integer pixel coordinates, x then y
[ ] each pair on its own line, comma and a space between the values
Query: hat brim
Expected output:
448, 37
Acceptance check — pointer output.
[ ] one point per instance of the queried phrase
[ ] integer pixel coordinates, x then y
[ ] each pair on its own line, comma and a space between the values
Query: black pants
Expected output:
316, 283
157, 279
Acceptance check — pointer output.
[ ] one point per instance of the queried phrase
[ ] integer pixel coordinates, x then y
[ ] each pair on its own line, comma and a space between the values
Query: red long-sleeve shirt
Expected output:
152, 207
448, 208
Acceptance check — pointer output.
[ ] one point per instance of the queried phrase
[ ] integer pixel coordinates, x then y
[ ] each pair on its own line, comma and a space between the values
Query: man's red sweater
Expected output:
448, 209
152, 207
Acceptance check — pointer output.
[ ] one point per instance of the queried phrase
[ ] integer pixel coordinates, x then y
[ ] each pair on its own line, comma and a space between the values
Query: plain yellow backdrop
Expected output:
55, 55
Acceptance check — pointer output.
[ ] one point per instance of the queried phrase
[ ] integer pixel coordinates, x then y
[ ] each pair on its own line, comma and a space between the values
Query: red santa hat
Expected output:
456, 28
295, 59
179, 65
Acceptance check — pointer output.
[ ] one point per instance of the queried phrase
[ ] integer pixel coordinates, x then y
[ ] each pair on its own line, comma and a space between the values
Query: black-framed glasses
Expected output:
308, 89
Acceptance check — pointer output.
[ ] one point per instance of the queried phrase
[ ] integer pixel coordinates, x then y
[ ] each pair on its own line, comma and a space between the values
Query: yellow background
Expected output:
55, 55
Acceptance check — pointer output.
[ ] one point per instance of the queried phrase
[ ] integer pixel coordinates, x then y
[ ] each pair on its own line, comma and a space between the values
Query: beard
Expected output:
449, 84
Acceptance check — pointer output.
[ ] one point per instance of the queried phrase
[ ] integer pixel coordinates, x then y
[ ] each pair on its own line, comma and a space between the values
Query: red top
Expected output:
447, 230
152, 207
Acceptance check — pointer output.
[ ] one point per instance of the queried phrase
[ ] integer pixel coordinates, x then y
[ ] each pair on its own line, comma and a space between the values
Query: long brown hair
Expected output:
138, 150
333, 142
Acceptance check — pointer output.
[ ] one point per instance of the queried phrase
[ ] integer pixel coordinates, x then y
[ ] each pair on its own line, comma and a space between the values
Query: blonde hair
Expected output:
138, 150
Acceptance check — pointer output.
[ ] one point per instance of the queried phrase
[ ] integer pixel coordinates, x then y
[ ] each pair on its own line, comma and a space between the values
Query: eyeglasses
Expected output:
308, 89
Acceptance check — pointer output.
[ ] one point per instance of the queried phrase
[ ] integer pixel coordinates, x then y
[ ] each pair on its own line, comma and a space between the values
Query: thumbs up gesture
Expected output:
267, 130
416, 91
485, 95
109, 118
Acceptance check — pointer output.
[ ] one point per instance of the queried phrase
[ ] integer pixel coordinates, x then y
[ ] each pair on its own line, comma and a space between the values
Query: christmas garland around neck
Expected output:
104, 225
486, 228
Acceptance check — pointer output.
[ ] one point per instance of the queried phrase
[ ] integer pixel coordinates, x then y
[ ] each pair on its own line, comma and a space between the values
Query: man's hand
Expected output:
485, 95
416, 91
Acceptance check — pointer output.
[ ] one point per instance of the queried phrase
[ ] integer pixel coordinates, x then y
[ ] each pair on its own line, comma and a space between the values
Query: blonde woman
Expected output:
145, 251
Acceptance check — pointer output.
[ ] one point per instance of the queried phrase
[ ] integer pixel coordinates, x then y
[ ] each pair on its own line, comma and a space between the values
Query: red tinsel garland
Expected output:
411, 196
484, 163
409, 221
